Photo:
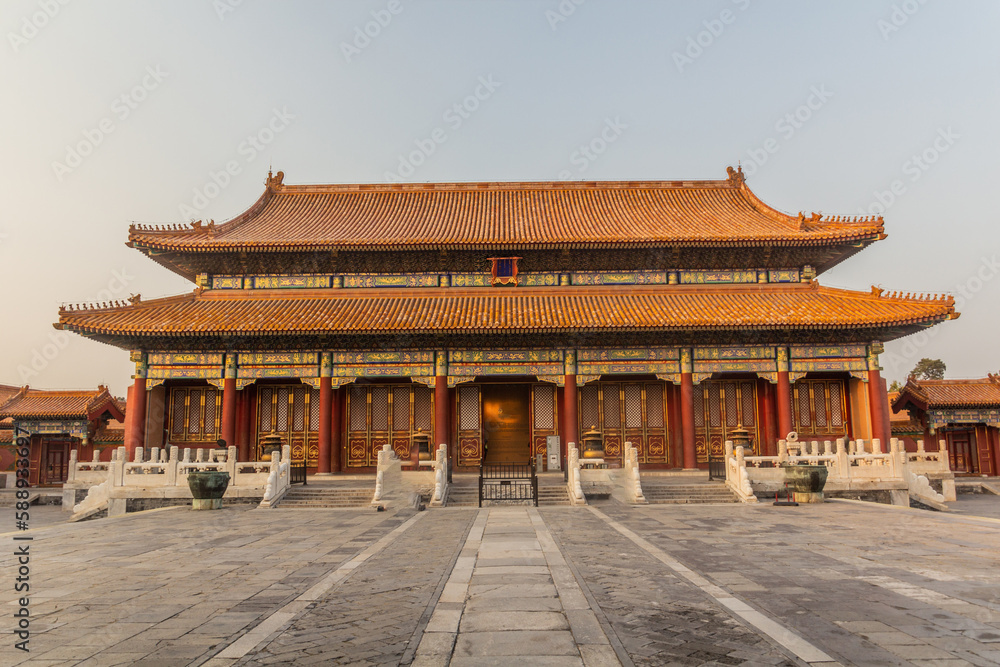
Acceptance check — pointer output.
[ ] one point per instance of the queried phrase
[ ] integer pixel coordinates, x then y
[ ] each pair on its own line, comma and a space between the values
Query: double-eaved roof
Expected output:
334, 233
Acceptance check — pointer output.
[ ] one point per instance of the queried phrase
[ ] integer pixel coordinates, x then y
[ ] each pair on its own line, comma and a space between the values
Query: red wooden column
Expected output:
325, 442
570, 397
136, 407
441, 416
243, 433
687, 411
877, 398
336, 426
783, 395
228, 430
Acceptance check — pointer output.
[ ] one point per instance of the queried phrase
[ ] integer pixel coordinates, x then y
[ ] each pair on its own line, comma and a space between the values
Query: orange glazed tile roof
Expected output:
479, 310
42, 404
950, 393
507, 215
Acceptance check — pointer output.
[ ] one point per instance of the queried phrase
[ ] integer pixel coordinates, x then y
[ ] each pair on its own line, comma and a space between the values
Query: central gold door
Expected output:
506, 429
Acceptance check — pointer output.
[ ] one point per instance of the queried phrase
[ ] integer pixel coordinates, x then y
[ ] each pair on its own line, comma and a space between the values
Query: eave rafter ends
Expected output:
578, 215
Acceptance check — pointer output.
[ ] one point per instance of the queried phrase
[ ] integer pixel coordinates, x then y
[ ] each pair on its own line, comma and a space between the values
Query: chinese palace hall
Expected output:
493, 316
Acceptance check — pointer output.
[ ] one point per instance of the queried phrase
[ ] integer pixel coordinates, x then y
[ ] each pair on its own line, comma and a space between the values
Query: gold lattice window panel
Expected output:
195, 414
654, 406
544, 407
422, 408
590, 405
633, 406
468, 408
818, 409
313, 409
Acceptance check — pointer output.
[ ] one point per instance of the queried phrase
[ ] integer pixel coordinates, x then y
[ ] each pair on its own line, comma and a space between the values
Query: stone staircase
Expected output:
463, 496
299, 497
553, 495
661, 493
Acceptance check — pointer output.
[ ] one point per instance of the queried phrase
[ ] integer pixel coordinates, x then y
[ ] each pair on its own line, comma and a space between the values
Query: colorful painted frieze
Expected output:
939, 418
291, 282
784, 276
619, 278
75, 427
630, 354
717, 277
727, 353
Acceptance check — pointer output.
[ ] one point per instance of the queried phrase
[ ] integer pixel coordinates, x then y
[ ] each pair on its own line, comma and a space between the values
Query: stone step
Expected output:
305, 497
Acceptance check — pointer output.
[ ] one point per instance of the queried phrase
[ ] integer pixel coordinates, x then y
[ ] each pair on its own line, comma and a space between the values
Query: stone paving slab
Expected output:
863, 584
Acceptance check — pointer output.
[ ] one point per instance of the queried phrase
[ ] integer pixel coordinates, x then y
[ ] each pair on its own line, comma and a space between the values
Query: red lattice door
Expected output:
291, 411
470, 426
720, 406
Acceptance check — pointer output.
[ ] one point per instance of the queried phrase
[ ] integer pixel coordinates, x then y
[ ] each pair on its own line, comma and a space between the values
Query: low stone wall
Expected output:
142, 504
883, 496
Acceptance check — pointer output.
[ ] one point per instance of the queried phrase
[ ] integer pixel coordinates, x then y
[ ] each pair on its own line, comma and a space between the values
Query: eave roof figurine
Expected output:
348, 317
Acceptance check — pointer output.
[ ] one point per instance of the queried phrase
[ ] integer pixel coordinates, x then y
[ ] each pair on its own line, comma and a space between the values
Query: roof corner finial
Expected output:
274, 180
736, 177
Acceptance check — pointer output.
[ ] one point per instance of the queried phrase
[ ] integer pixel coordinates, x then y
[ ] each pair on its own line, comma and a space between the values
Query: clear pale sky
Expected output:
115, 111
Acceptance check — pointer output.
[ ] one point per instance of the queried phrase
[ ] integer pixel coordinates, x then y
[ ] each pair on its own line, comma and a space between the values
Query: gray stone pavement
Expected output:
977, 504
841, 582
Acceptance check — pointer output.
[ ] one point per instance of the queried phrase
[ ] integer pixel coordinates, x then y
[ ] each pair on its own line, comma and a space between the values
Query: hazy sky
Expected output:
116, 111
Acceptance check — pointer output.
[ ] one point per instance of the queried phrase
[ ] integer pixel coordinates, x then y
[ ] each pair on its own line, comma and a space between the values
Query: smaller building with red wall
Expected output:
963, 413
60, 422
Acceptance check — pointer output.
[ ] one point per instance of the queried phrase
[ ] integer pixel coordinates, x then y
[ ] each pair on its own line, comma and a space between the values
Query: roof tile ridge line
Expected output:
926, 297
90, 308
21, 393
798, 222
195, 228
480, 186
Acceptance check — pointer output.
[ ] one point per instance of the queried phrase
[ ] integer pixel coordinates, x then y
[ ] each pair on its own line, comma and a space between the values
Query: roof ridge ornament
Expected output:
274, 182
736, 176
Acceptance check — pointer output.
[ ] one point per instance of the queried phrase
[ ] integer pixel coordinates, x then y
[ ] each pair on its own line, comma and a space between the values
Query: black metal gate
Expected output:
508, 482
716, 468
297, 473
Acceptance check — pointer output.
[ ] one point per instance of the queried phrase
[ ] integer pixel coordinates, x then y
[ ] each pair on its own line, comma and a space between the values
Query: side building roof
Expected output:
62, 404
929, 394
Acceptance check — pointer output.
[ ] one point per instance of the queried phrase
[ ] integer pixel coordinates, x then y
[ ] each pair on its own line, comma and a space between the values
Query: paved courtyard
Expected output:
842, 582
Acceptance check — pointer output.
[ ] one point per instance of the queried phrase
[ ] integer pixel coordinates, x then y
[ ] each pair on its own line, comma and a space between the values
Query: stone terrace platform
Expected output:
842, 582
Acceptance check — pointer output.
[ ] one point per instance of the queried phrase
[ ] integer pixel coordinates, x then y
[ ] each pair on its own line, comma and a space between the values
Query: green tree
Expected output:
896, 386
929, 369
